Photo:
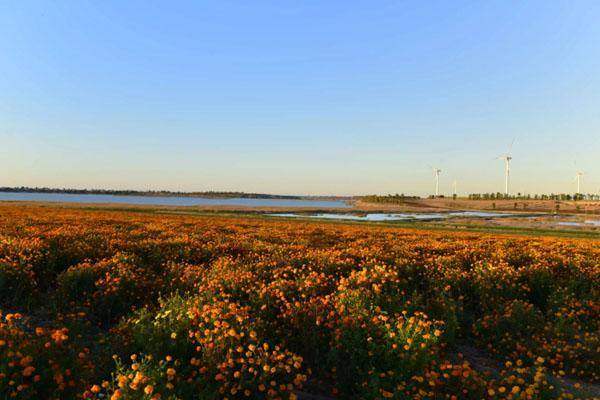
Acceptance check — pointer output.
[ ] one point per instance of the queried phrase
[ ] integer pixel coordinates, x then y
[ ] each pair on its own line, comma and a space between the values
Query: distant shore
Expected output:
502, 205
357, 203
153, 193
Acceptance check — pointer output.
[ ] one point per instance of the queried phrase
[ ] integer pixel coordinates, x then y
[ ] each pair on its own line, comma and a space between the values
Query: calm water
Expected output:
569, 223
395, 216
575, 223
168, 201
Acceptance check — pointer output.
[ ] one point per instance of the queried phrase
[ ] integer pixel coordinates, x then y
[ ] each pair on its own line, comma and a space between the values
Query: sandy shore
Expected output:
448, 204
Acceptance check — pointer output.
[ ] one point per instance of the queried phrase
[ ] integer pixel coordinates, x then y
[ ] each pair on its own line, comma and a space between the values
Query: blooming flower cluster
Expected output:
123, 305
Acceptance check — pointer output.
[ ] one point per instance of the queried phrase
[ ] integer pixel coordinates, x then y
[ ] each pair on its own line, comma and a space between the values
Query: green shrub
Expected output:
17, 285
107, 289
515, 326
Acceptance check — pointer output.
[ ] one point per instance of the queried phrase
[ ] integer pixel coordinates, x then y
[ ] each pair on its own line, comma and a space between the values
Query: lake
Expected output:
167, 201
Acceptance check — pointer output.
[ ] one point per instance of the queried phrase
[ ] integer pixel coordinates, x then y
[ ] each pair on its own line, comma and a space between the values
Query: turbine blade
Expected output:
510, 147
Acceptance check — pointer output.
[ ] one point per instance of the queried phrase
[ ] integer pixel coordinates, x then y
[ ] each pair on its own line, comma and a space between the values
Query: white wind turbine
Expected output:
507, 159
578, 176
437, 171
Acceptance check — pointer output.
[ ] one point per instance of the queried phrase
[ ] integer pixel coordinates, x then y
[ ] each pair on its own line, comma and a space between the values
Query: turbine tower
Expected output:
507, 159
437, 181
578, 176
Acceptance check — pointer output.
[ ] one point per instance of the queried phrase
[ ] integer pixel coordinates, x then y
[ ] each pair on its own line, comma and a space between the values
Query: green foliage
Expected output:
15, 282
389, 199
164, 332
107, 289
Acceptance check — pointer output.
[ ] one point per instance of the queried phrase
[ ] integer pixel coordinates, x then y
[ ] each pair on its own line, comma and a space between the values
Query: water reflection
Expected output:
395, 216
576, 223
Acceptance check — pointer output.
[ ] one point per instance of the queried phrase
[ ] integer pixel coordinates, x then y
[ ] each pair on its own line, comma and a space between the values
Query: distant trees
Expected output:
519, 196
390, 198
206, 194
400, 198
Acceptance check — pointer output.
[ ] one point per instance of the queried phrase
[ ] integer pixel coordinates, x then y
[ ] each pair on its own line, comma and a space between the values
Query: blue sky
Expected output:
300, 97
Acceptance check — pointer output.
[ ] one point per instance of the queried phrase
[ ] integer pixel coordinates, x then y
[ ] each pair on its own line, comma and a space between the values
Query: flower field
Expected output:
130, 305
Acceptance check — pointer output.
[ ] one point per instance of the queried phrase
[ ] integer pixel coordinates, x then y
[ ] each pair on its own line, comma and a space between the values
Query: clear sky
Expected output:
300, 97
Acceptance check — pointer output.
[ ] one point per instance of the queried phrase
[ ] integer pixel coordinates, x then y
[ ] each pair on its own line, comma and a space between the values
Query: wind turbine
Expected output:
437, 171
507, 159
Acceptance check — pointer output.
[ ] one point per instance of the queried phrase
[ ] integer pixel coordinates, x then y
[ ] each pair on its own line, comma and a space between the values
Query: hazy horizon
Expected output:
92, 190
306, 98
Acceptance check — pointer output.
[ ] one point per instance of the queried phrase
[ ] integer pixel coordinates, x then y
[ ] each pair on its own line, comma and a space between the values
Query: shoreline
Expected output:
542, 223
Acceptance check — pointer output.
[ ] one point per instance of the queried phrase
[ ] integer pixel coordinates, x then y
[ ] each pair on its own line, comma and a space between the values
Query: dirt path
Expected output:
485, 365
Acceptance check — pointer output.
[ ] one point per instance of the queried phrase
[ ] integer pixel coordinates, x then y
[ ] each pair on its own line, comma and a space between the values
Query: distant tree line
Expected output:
389, 199
519, 196
156, 193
